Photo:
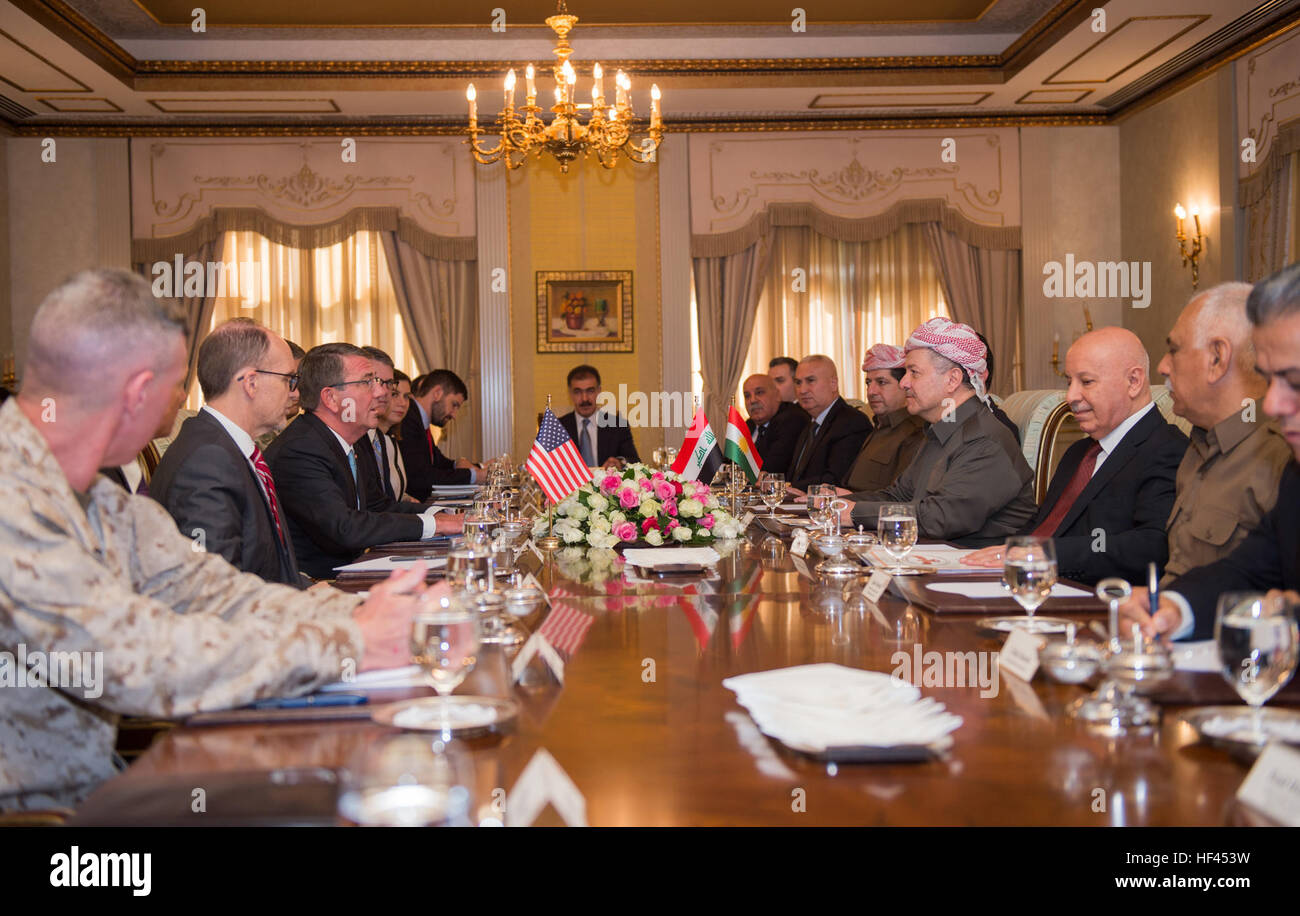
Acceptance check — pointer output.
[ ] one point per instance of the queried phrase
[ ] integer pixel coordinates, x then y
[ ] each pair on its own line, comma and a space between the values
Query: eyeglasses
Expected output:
290, 377
368, 380
390, 384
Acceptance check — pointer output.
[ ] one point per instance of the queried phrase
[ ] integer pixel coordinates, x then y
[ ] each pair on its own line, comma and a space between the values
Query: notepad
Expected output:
984, 590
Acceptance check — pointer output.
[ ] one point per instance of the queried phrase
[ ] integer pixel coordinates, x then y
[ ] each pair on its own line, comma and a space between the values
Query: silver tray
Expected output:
1196, 718
466, 719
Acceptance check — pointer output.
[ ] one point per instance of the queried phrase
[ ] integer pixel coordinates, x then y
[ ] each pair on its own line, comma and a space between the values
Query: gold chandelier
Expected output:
608, 131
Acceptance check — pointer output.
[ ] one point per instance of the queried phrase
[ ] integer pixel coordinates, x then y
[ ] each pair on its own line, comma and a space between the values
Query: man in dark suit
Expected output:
604, 439
213, 478
434, 402
775, 425
1269, 557
826, 449
1111, 495
333, 501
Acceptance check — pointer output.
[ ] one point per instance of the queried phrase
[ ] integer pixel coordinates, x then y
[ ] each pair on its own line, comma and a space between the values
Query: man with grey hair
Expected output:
91, 573
1228, 477
1269, 557
213, 478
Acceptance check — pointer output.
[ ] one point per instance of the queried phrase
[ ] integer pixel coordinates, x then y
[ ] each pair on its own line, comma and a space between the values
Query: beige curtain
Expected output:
822, 295
1269, 200
983, 287
338, 292
438, 300
199, 309
727, 290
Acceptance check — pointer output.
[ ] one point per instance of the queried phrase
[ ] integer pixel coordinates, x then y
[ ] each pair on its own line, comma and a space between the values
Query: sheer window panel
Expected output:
848, 296
313, 296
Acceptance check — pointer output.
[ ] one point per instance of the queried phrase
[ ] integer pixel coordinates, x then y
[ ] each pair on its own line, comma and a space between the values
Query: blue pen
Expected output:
1153, 588
326, 699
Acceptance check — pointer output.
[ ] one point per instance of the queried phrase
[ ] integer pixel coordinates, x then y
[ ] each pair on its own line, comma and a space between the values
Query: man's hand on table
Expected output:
1137, 609
385, 617
991, 557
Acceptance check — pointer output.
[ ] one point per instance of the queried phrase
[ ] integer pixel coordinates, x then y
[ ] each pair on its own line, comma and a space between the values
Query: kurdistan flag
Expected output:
699, 457
740, 448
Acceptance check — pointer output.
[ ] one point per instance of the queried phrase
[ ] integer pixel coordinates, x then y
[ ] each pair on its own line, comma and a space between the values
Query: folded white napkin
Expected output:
380, 679
392, 564
667, 556
995, 590
1202, 655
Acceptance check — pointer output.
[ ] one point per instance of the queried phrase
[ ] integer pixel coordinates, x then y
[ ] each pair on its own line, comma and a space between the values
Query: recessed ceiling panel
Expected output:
1123, 47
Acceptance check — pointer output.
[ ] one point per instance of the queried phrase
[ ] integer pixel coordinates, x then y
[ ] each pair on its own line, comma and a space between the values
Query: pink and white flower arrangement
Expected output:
640, 503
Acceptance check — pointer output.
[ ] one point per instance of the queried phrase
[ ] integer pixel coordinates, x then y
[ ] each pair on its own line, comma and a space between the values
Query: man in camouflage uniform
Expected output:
86, 568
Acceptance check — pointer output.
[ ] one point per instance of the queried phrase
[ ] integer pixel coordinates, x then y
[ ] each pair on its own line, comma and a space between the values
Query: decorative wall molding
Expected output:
301, 181
1268, 95
734, 178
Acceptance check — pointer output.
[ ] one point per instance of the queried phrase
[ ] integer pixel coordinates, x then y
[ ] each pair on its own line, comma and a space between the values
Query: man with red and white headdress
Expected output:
898, 435
969, 482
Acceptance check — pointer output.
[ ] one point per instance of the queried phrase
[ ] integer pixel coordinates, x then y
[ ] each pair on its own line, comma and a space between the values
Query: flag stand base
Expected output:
548, 542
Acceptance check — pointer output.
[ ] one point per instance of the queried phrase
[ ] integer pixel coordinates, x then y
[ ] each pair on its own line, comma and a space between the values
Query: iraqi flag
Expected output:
699, 457
740, 447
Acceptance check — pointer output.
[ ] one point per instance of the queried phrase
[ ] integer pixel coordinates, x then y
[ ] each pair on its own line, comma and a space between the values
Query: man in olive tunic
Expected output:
105, 608
898, 435
969, 483
1228, 478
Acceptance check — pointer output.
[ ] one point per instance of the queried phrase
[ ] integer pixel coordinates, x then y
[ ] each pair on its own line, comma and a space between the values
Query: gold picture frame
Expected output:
584, 311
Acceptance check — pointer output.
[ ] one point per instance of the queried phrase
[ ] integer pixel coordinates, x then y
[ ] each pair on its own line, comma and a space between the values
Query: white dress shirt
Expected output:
243, 441
1112, 439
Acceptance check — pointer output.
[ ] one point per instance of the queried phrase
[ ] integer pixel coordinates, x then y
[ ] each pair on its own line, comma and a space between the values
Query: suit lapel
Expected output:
335, 449
1115, 462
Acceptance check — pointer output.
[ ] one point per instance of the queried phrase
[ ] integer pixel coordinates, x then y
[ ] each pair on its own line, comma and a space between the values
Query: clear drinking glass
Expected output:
471, 568
1257, 641
897, 529
407, 781
1029, 572
772, 488
445, 643
821, 509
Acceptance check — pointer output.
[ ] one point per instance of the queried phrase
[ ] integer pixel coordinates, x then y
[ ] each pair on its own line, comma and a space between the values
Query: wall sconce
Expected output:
1194, 255
1056, 343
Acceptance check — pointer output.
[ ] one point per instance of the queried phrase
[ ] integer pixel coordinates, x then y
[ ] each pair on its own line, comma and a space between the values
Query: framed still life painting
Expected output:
584, 311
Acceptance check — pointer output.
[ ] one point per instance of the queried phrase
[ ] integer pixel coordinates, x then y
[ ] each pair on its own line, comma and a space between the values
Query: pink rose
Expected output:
701, 491
625, 531
664, 489
650, 523
657, 476
672, 523
628, 498
610, 483
706, 521
646, 484
670, 507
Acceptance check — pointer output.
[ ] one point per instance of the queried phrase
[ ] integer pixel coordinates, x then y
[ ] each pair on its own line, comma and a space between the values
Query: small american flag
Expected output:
566, 627
555, 462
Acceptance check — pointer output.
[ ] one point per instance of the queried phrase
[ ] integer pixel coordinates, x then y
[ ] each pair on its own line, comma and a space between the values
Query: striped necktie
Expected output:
356, 484
268, 484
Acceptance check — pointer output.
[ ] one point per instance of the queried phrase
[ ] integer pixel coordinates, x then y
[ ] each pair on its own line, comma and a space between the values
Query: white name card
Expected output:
1019, 655
745, 521
544, 781
799, 543
1273, 785
876, 585
537, 645
530, 579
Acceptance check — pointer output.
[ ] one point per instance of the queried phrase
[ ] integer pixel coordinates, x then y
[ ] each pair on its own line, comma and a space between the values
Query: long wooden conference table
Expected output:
649, 735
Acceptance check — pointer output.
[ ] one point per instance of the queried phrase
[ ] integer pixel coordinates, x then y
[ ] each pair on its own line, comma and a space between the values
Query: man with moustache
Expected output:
603, 439
969, 482
774, 424
827, 447
213, 479
1269, 557
899, 433
1111, 495
322, 467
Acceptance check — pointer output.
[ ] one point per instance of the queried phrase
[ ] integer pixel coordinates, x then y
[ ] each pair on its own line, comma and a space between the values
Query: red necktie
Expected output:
1082, 474
264, 475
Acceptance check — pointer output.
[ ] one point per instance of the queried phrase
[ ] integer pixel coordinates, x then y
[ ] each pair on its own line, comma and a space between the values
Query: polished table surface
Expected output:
644, 727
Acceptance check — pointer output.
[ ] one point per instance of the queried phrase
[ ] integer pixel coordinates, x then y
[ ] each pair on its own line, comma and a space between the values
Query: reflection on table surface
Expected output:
644, 727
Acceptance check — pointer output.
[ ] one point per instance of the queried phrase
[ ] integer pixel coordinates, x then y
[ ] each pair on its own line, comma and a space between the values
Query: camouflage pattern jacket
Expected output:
104, 580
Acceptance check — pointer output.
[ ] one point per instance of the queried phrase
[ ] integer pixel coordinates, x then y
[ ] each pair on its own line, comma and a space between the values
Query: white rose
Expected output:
638, 472
565, 506
653, 537
617, 518
579, 511
598, 503
690, 508
650, 507
681, 533
703, 533
571, 535
599, 523
539, 526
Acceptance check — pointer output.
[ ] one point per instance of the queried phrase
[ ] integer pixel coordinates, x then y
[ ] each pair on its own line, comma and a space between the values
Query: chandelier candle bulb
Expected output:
598, 89
531, 86
473, 104
621, 83
654, 106
510, 90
